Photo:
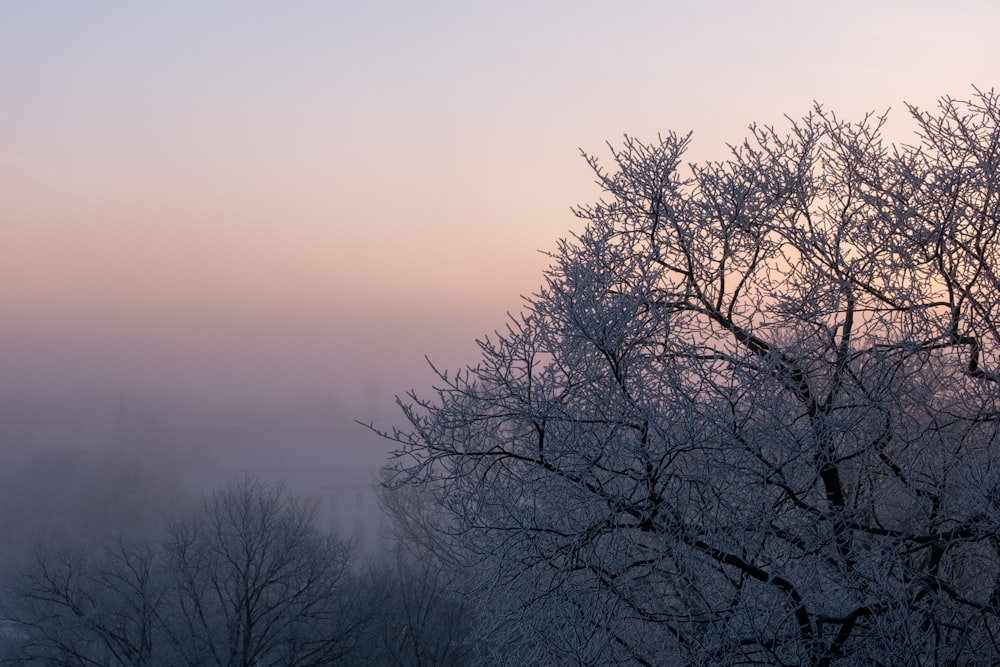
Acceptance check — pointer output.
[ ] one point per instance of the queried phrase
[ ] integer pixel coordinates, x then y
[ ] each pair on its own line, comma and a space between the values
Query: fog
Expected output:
92, 461
228, 233
124, 398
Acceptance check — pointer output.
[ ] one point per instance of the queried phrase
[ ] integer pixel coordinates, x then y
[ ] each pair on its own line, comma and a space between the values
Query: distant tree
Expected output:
422, 611
751, 416
257, 584
422, 616
73, 608
246, 582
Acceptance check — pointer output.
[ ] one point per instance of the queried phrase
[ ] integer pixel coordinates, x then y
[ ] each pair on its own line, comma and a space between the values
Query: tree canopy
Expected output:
751, 415
246, 581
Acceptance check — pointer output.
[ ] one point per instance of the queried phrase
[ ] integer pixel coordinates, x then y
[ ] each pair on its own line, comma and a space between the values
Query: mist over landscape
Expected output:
83, 465
232, 235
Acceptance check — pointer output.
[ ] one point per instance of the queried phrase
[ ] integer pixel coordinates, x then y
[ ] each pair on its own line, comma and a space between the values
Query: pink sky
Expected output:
275, 198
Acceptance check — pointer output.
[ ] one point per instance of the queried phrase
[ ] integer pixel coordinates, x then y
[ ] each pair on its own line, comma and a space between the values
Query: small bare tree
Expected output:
256, 583
423, 611
247, 582
421, 616
751, 417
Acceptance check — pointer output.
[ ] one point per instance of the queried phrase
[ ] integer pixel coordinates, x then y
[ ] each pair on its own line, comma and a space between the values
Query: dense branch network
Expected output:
751, 415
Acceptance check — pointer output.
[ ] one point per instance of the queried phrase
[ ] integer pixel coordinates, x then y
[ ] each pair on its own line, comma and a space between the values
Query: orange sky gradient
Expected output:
283, 198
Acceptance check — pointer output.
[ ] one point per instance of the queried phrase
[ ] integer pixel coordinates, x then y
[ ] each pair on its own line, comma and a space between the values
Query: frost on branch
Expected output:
750, 417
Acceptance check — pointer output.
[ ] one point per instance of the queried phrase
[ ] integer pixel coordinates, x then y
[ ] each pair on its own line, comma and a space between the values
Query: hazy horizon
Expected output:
281, 209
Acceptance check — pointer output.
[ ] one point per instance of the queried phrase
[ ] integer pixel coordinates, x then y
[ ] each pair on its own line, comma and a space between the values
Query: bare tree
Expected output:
71, 608
247, 582
422, 617
258, 585
751, 417
423, 613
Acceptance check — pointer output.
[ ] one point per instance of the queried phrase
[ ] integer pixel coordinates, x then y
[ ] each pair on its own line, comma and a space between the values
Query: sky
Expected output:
301, 199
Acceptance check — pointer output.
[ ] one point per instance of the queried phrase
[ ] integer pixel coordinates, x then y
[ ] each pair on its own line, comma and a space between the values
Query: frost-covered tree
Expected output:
751, 416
